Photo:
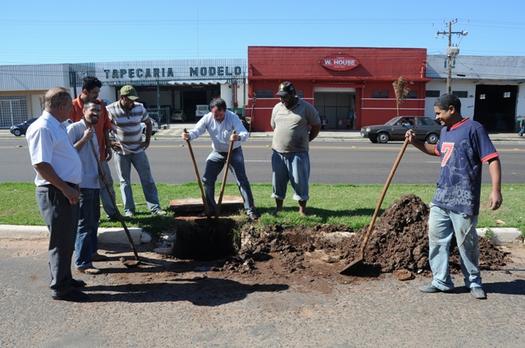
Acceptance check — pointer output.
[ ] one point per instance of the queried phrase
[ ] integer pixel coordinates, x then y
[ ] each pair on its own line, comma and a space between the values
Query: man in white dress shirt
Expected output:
58, 173
220, 124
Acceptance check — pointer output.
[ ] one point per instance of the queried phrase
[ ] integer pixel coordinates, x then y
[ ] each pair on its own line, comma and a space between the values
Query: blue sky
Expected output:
95, 31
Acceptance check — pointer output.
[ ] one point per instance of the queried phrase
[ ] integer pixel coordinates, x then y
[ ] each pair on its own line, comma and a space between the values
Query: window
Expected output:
268, 93
426, 121
264, 93
13, 110
432, 94
380, 93
412, 95
460, 94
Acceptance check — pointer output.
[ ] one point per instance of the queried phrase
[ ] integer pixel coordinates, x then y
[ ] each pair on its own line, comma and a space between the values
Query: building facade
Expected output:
491, 88
351, 87
171, 89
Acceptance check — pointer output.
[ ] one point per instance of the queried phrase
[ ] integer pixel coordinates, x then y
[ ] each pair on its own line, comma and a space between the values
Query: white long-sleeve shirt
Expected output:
220, 132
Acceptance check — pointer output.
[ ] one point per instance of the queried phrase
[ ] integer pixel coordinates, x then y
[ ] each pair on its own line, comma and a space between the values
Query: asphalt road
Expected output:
188, 309
349, 161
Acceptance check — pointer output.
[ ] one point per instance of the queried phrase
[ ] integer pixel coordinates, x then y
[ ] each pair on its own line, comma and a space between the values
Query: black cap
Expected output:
286, 88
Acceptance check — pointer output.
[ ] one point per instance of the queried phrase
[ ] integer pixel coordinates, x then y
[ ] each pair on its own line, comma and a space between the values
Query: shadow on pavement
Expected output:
515, 287
209, 292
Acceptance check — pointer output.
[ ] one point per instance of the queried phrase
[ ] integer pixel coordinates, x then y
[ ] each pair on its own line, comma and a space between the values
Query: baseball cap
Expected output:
286, 88
129, 91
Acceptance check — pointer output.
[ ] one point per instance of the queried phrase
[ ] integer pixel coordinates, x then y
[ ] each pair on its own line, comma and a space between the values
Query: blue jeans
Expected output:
86, 243
140, 162
293, 167
214, 164
442, 226
105, 197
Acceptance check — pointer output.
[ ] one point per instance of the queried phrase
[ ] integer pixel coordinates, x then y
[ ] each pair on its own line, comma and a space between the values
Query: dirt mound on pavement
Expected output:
399, 242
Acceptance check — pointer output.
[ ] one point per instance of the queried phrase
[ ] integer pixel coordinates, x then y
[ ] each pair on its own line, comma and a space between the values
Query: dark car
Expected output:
21, 128
426, 128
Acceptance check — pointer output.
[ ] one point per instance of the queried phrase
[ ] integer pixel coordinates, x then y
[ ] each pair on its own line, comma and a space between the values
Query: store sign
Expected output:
339, 62
139, 73
170, 70
213, 71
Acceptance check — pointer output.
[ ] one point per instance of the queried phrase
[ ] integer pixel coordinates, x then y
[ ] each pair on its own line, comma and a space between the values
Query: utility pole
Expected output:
452, 51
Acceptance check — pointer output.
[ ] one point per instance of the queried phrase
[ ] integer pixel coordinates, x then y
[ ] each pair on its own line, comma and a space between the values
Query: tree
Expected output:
401, 91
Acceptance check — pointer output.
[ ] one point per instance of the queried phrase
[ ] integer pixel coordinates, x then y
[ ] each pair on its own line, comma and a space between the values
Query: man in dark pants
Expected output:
58, 173
221, 125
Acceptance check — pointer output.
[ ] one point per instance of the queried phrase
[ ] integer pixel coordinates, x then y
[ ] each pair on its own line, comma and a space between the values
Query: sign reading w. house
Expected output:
339, 62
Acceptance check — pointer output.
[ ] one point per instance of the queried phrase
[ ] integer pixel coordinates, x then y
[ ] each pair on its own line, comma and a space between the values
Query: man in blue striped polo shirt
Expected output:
126, 115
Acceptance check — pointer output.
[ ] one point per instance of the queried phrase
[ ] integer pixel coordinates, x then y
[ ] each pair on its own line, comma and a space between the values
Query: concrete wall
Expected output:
226, 94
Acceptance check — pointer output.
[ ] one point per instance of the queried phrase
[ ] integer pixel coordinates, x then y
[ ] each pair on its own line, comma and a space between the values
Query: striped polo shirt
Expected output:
127, 126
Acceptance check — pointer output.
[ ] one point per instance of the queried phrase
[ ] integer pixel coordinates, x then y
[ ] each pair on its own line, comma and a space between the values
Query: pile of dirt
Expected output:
399, 242
399, 239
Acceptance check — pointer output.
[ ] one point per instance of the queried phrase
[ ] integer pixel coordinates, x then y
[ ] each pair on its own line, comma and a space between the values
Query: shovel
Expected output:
127, 263
356, 266
223, 185
197, 175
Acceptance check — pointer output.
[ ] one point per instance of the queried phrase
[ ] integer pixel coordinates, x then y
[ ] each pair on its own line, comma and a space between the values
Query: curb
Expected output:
106, 235
116, 235
502, 235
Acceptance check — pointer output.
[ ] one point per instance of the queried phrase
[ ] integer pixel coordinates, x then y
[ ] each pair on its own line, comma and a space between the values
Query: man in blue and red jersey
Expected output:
463, 147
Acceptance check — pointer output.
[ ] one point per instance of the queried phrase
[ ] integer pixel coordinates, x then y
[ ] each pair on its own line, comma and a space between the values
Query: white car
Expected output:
201, 110
154, 126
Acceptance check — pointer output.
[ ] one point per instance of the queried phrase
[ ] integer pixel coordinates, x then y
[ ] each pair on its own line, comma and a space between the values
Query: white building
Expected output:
171, 89
491, 88
22, 89
177, 86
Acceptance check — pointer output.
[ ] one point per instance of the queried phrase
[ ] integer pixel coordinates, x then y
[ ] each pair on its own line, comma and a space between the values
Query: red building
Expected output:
351, 87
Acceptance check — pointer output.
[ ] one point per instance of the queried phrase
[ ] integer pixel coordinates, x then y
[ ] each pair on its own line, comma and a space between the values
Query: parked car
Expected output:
154, 126
21, 128
201, 110
426, 128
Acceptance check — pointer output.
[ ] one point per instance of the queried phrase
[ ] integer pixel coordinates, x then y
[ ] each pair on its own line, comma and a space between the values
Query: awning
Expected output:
197, 82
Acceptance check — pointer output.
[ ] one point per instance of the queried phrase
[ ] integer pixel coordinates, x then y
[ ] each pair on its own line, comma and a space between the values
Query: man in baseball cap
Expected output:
129, 91
286, 88
127, 114
295, 123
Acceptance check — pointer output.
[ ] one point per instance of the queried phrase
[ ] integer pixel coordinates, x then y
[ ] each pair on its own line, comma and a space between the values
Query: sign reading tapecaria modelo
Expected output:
117, 72
339, 62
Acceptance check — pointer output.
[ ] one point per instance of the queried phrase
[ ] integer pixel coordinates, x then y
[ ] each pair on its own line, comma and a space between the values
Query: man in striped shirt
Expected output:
126, 116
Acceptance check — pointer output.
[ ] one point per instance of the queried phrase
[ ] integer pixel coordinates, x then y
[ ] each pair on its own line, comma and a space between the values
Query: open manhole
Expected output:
205, 239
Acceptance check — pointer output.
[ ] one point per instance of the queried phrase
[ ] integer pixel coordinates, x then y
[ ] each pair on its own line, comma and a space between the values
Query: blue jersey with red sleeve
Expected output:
463, 149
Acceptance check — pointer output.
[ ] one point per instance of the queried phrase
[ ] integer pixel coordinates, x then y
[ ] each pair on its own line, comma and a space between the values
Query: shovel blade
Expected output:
360, 268
352, 267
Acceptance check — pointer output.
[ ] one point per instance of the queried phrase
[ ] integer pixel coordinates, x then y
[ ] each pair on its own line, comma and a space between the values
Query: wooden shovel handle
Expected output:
197, 175
114, 202
381, 198
225, 176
